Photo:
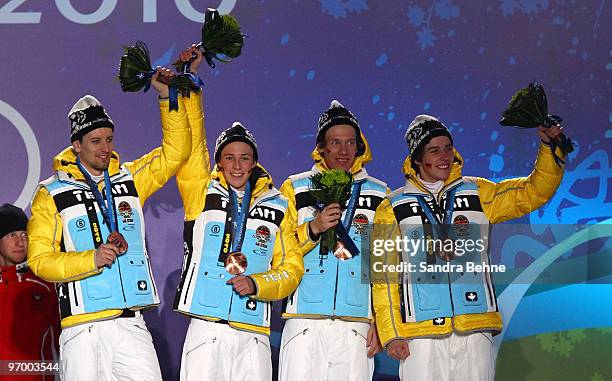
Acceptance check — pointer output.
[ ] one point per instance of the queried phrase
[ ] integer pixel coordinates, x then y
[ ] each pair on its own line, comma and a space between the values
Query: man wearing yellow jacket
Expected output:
439, 321
239, 254
103, 280
330, 333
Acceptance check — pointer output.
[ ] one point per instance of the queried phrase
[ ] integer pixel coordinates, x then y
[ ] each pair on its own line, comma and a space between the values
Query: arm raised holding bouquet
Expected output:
136, 73
239, 254
528, 108
459, 321
87, 234
221, 40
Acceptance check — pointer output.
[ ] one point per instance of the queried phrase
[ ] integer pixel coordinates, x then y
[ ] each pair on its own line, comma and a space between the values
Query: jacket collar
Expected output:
64, 164
261, 183
13, 272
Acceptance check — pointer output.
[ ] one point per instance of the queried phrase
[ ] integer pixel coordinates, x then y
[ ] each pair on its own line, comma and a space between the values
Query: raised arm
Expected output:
513, 198
154, 169
192, 177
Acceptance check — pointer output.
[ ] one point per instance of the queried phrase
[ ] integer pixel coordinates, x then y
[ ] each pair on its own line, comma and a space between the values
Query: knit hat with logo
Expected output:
86, 115
420, 132
236, 133
335, 115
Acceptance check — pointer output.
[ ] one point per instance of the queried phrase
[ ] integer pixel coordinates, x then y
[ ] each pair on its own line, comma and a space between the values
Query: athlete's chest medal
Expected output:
118, 240
341, 252
236, 263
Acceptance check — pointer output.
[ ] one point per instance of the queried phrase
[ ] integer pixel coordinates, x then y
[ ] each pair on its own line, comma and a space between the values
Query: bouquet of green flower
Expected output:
528, 108
328, 187
135, 71
221, 39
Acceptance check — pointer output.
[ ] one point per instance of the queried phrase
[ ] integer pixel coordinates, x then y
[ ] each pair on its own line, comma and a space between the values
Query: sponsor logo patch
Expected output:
439, 321
125, 211
461, 226
251, 305
360, 222
262, 234
471, 296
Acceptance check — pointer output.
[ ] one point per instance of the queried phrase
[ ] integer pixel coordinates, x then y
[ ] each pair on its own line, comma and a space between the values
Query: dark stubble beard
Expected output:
100, 168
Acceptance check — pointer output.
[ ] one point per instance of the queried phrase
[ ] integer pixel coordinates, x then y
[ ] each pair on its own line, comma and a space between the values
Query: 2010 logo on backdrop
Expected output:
32, 150
9, 15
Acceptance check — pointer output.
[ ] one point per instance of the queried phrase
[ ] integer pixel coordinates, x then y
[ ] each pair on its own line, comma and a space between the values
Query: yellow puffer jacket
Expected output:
511, 198
193, 179
150, 173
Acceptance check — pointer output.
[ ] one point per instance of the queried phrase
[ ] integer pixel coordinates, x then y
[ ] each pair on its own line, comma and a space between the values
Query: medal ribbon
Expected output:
448, 213
107, 209
342, 229
239, 215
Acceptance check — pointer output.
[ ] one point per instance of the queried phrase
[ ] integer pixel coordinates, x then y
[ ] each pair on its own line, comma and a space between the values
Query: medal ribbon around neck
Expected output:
446, 218
342, 229
239, 215
107, 209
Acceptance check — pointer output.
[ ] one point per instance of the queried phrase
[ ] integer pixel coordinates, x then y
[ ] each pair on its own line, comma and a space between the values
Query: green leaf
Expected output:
576, 335
547, 341
605, 330
331, 186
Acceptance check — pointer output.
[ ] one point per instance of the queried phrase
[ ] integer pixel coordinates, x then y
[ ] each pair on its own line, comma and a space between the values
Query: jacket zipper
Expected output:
336, 287
189, 284
450, 293
117, 261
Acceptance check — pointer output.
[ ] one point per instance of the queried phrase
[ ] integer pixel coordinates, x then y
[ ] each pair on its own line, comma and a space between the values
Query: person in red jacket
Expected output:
29, 314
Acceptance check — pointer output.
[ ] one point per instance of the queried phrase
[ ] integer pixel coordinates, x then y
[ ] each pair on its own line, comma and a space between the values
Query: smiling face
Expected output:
437, 159
339, 147
236, 164
13, 248
95, 149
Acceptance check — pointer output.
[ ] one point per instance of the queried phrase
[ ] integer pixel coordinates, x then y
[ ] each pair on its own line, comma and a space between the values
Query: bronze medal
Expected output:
446, 255
341, 252
236, 263
118, 240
